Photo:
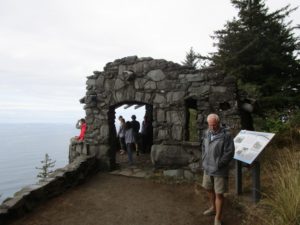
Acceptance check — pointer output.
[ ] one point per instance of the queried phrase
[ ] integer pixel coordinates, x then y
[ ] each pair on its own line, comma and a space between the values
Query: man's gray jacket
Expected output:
217, 152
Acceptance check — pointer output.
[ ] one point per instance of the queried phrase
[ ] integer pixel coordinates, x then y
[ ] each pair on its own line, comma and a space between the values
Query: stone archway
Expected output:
170, 89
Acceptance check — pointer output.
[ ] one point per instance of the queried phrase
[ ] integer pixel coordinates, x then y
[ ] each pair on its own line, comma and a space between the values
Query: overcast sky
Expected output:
48, 47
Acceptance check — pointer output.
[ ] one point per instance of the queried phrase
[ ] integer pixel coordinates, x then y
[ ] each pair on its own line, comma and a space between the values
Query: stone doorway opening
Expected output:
144, 115
191, 123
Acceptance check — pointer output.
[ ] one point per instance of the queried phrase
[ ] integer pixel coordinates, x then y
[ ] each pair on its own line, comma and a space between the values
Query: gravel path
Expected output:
107, 199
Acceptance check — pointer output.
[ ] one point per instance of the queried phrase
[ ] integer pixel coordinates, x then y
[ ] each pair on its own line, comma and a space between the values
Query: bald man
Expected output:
217, 152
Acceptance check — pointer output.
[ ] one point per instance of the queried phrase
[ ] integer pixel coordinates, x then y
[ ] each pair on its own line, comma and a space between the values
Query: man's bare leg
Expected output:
219, 200
212, 199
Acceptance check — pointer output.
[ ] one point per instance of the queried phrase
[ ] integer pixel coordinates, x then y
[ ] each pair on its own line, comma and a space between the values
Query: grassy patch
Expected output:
280, 204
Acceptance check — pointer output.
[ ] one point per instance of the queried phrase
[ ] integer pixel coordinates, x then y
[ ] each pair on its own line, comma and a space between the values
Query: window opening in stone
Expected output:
191, 128
224, 106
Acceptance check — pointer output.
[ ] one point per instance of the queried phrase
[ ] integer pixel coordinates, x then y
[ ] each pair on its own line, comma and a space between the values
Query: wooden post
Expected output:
256, 194
238, 177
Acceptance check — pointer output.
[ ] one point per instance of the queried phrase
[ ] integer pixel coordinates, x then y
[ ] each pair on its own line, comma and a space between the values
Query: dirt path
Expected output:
107, 199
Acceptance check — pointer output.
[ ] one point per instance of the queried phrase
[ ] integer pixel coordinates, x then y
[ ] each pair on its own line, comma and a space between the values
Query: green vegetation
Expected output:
280, 175
260, 49
191, 59
193, 129
282, 201
45, 170
287, 133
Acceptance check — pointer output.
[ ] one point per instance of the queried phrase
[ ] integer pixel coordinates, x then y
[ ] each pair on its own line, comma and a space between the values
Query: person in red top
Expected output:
81, 124
77, 140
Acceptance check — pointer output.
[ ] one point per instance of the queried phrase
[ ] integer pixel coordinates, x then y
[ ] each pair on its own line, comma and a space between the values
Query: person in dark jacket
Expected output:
217, 152
136, 128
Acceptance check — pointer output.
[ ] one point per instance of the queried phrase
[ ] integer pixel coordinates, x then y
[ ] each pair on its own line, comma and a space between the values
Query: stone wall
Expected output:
78, 149
59, 181
169, 89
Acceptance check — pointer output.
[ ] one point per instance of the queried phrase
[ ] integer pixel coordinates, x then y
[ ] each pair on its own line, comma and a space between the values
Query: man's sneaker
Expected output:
209, 212
218, 222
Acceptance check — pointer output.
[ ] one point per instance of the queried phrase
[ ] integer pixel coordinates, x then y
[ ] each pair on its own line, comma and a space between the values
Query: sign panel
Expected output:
249, 144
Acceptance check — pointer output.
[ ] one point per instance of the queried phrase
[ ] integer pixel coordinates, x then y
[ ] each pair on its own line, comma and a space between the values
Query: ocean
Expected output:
23, 147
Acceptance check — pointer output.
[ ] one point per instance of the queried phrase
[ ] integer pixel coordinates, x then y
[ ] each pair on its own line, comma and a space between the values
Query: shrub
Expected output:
287, 133
45, 170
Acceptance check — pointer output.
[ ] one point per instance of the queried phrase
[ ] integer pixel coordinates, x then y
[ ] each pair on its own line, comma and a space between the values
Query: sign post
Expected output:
238, 177
248, 145
256, 194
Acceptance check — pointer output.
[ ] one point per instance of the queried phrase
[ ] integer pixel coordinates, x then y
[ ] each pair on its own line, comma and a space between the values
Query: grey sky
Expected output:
47, 48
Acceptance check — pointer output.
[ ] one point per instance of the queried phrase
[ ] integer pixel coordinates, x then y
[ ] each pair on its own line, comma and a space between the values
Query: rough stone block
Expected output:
173, 173
169, 156
14, 203
119, 84
195, 167
187, 174
150, 85
84, 149
147, 97
160, 115
220, 89
198, 91
121, 69
119, 95
156, 75
93, 150
162, 134
102, 151
104, 130
175, 117
198, 77
161, 85
130, 93
139, 96
159, 99
177, 133
78, 148
138, 68
91, 82
175, 96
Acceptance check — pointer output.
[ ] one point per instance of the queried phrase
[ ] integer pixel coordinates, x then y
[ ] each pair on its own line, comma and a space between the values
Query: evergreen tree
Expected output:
261, 50
45, 170
191, 59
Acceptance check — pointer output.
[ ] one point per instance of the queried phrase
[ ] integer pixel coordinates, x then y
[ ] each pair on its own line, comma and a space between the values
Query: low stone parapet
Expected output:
78, 149
58, 182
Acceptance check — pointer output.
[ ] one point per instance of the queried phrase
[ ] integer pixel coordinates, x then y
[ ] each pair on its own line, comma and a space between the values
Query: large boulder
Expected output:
169, 156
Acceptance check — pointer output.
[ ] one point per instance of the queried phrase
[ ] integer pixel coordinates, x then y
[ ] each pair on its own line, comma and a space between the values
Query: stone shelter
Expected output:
168, 91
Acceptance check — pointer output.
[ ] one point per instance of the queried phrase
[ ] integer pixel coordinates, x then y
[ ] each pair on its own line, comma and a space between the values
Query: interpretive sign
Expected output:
249, 144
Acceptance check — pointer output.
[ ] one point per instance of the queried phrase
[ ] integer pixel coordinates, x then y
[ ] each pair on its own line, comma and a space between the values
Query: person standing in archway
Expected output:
217, 152
121, 135
129, 140
136, 128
